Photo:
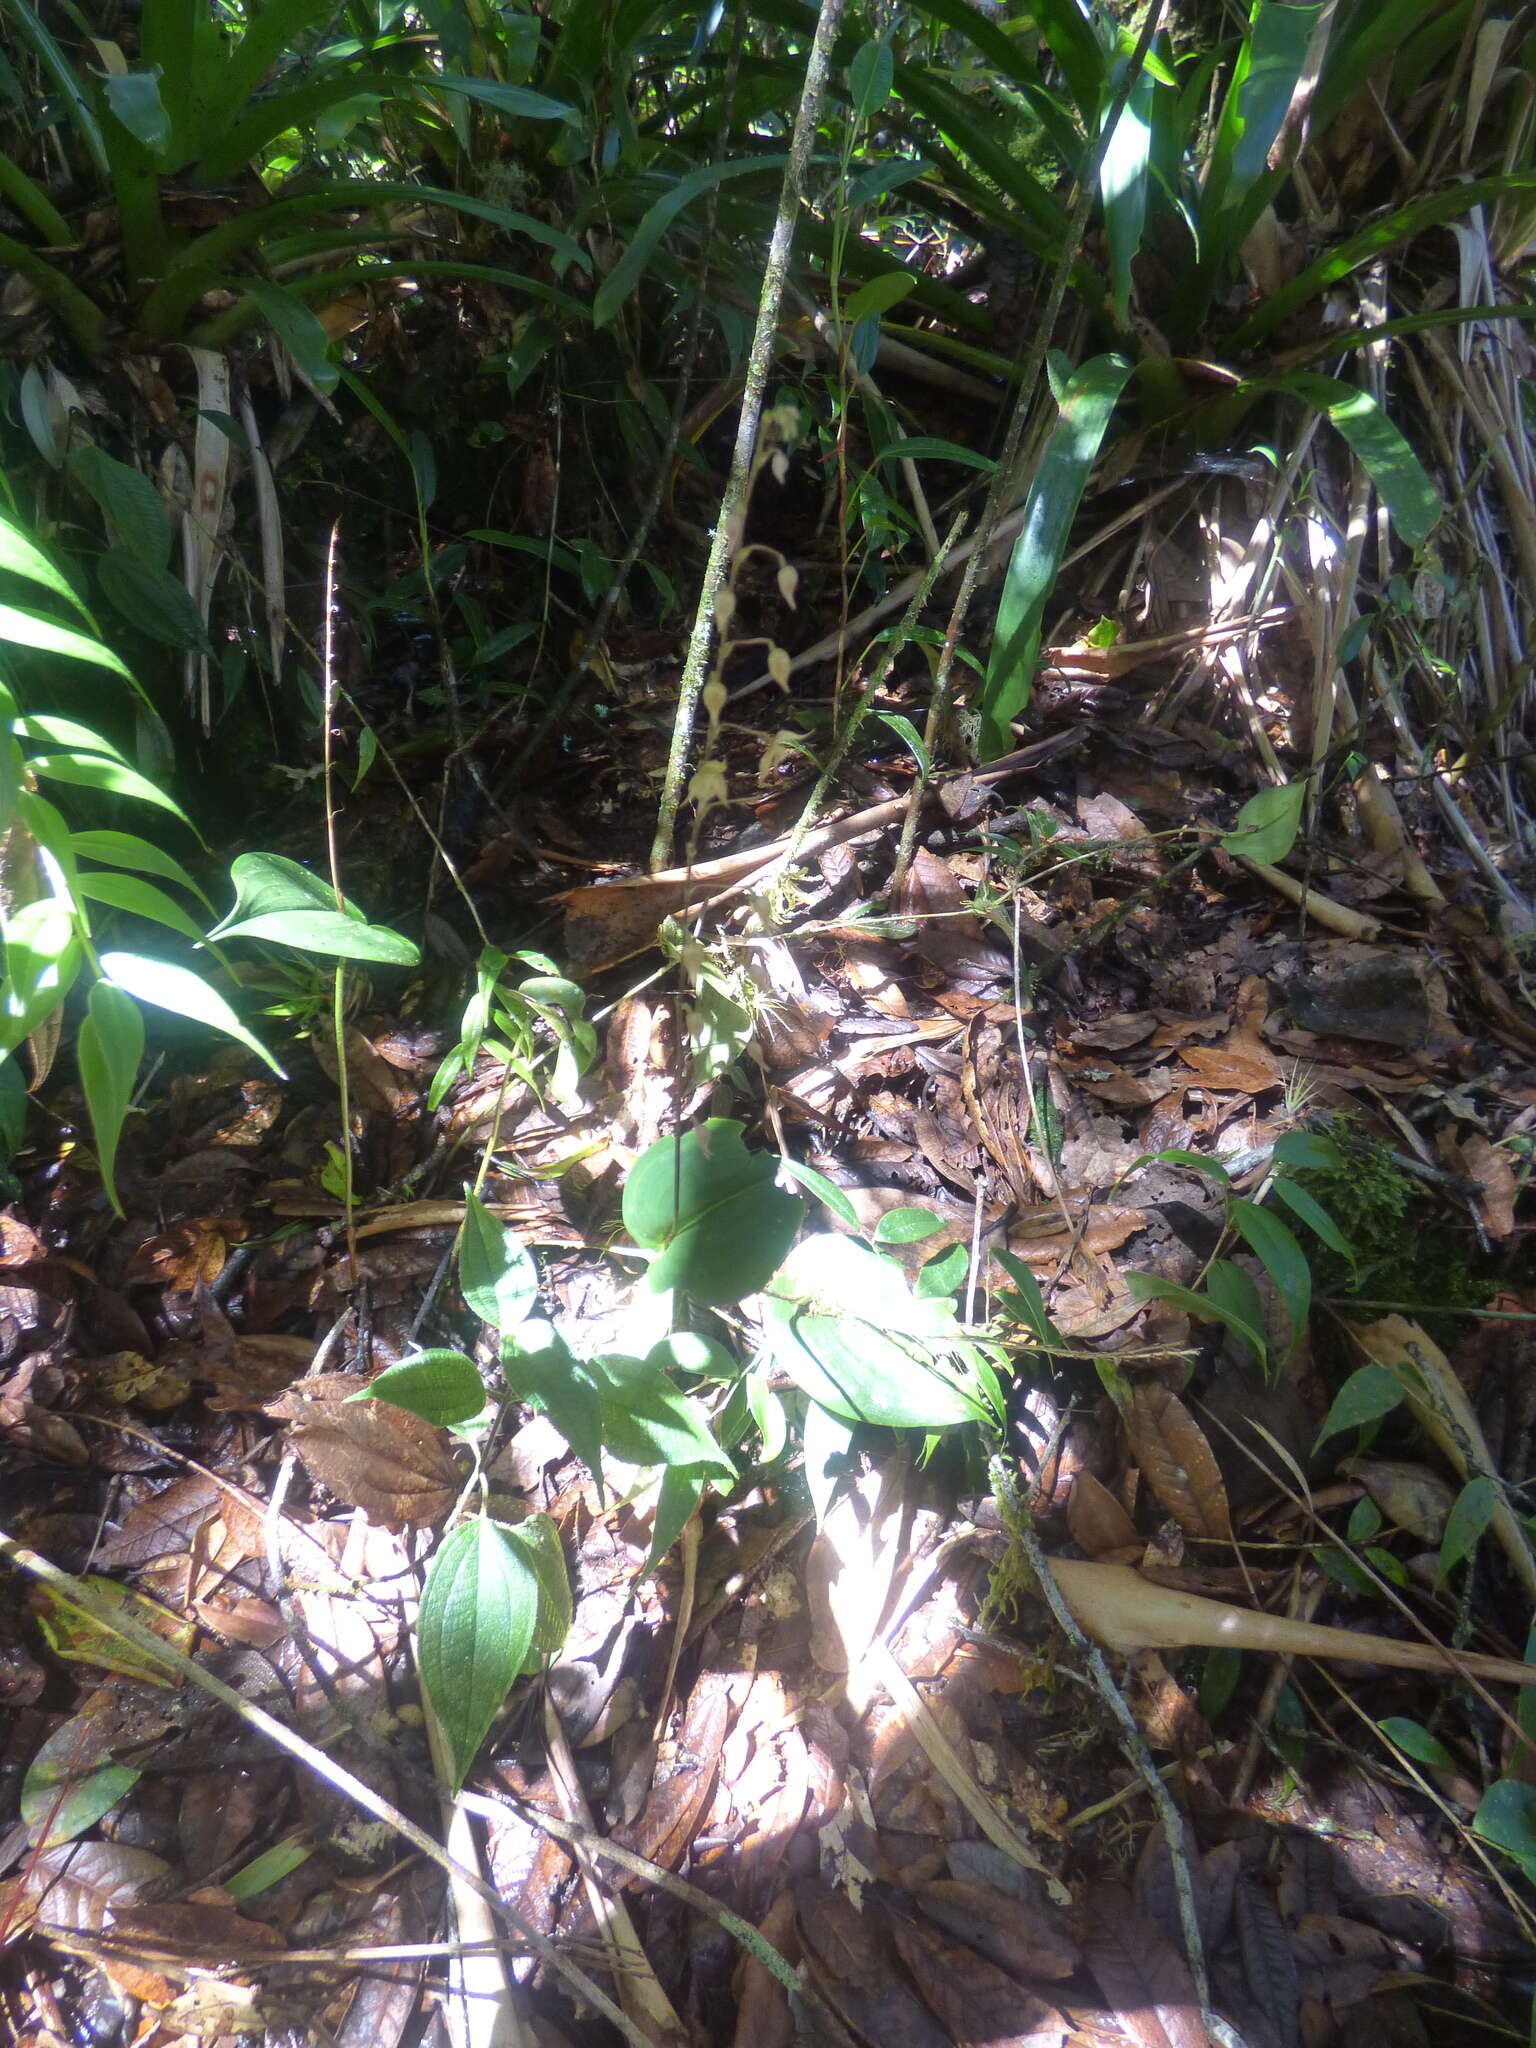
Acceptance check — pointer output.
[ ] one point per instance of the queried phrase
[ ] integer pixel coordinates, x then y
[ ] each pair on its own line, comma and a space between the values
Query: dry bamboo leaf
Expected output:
1440, 1406
1178, 1463
1128, 1613
1097, 1522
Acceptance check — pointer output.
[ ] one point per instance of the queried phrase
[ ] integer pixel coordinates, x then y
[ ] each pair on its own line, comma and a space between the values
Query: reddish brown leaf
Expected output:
1143, 1979
949, 937
1177, 1462
1029, 1941
79, 1886
1100, 1526
981, 2005
763, 2015
1239, 1072
851, 1967
371, 1456
1493, 1168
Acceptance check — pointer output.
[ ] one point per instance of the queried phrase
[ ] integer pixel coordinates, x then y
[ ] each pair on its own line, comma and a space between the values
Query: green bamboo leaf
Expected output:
1238, 178
1470, 1515
1365, 1397
178, 989
21, 556
473, 1631
114, 778
519, 102
109, 1049
1282, 1258
1054, 496
143, 899
126, 850
31, 629
1402, 225
1028, 1305
1153, 1287
1311, 1212
626, 274
1412, 501
42, 958
878, 295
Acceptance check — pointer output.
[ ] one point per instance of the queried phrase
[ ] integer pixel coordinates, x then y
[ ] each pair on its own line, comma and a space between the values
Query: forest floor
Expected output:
1076, 1031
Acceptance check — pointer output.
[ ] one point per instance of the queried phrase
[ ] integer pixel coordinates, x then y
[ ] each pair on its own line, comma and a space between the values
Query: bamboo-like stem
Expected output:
733, 502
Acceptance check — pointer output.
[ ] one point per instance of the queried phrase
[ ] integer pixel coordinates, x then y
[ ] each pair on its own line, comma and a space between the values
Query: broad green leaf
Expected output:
178, 989
442, 1387
877, 296
711, 1209
128, 892
134, 97
943, 1274
1123, 182
109, 1049
539, 1366
1506, 1817
1416, 1742
1267, 824
648, 1421
21, 556
473, 1632
1028, 1305
66, 732
677, 1500
841, 1322
113, 778
520, 102
68, 1787
1054, 496
1308, 1151
1469, 1517
31, 629
928, 447
133, 508
1270, 61
497, 1274
539, 1541
692, 1352
1400, 478
298, 329
42, 958
617, 286
1365, 1397
327, 932
869, 78
152, 600
268, 882
907, 1226
125, 850
825, 1191
1153, 1287
1275, 1246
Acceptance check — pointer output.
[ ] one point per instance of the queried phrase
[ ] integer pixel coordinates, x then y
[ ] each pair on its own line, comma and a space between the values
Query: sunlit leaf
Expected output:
473, 1631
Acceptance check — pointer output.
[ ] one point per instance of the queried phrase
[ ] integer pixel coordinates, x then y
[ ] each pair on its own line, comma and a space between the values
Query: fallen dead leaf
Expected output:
1177, 1462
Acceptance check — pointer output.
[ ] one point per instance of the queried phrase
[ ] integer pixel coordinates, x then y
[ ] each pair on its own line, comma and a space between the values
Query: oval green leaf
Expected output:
473, 1632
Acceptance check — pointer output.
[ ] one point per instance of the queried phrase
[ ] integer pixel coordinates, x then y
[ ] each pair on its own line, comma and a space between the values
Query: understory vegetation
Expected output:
768, 1027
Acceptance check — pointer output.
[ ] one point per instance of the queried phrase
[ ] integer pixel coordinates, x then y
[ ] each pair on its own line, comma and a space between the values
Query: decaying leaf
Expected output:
1029, 1941
1145, 1982
852, 1968
981, 2005
79, 1886
1410, 1496
1099, 1525
1177, 1462
372, 1456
